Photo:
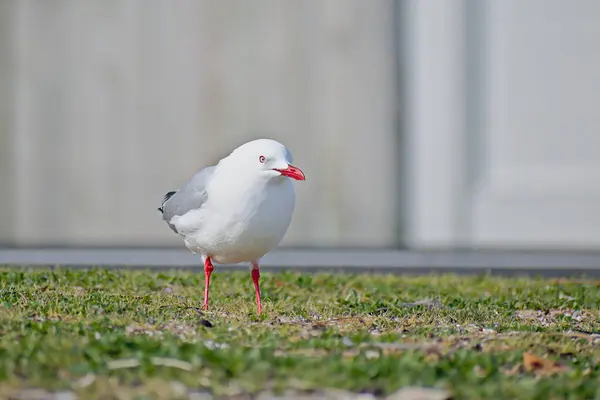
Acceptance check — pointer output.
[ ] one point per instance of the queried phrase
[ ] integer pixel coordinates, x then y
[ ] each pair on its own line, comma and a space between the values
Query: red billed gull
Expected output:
237, 210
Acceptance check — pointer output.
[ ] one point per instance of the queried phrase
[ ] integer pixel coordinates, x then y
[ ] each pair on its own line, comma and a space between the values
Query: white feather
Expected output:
247, 211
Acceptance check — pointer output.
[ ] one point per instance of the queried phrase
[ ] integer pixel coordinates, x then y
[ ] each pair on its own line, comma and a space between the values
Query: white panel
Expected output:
435, 64
7, 120
76, 102
118, 102
540, 174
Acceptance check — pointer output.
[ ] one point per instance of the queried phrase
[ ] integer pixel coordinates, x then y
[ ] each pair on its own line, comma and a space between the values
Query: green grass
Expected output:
97, 333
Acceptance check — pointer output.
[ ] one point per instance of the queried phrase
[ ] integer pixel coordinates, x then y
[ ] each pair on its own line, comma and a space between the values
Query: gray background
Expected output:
419, 124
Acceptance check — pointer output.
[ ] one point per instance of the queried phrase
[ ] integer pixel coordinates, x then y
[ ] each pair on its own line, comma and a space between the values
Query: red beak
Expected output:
292, 172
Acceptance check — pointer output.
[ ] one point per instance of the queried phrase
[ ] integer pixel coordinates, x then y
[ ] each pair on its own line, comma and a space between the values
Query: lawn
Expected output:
99, 333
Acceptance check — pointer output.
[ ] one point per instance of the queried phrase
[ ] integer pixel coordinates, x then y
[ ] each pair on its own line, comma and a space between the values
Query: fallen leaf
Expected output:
512, 371
541, 366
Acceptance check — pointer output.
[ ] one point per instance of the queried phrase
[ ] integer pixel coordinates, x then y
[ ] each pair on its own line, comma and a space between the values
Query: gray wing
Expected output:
190, 197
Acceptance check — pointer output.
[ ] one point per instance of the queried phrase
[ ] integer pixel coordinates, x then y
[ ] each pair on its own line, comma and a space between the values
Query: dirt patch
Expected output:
551, 317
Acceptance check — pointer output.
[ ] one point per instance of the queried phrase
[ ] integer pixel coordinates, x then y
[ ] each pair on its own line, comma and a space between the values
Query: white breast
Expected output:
241, 223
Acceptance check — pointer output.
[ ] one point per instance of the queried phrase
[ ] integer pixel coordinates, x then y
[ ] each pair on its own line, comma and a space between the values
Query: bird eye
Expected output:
262, 159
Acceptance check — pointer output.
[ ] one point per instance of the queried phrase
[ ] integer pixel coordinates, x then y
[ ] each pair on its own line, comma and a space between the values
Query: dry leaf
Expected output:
512, 371
541, 366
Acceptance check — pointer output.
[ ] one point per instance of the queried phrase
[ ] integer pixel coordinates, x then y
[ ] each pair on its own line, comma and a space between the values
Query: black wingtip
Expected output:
167, 197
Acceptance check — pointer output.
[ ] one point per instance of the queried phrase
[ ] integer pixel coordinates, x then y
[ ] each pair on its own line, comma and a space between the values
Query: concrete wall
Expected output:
463, 123
109, 104
503, 128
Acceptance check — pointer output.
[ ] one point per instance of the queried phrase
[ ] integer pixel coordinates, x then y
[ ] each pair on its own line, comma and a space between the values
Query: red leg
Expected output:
255, 276
208, 269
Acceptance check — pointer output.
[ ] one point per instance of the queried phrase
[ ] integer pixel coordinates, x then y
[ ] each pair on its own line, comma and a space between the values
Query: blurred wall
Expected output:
503, 123
109, 104
430, 124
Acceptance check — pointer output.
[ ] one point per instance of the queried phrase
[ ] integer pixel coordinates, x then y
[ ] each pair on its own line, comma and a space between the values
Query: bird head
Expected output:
266, 157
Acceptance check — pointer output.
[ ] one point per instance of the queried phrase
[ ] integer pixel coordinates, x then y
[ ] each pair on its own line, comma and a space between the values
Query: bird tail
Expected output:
167, 197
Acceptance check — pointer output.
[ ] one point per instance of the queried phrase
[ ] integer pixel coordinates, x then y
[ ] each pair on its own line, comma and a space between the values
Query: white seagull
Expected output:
237, 210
